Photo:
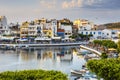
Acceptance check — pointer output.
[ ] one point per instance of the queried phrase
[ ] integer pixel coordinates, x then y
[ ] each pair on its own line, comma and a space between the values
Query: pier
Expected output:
90, 49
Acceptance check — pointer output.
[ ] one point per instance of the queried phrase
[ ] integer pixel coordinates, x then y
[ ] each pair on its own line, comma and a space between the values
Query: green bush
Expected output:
106, 43
104, 56
109, 69
33, 75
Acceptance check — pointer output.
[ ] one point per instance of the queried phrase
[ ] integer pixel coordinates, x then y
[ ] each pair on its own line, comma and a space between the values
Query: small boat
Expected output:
78, 72
88, 76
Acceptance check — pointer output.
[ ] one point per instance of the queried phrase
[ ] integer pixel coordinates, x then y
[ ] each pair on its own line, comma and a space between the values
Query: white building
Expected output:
68, 30
4, 28
35, 30
96, 33
83, 24
43, 29
101, 34
32, 30
107, 33
54, 27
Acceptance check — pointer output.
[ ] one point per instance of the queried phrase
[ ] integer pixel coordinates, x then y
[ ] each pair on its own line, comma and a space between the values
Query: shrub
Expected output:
33, 75
109, 69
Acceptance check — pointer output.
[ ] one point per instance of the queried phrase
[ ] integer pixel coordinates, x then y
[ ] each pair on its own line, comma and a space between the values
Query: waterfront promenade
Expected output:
45, 45
90, 49
52, 45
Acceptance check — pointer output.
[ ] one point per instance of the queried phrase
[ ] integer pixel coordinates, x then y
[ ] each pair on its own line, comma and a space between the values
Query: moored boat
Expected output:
78, 72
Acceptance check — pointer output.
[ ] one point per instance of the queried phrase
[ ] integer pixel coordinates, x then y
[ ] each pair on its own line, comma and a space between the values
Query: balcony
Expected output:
24, 32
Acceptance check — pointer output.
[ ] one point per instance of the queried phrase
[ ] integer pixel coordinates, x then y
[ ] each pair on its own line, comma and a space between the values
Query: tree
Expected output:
104, 56
109, 69
118, 46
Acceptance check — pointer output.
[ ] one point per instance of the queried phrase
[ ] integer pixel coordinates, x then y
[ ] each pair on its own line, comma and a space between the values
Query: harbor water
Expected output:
48, 58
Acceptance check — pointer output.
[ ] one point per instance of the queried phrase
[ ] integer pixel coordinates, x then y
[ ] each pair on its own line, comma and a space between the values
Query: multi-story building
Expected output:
101, 34
14, 29
96, 33
24, 30
4, 28
39, 21
68, 30
83, 24
107, 33
54, 27
66, 25
50, 28
32, 30
47, 29
40, 30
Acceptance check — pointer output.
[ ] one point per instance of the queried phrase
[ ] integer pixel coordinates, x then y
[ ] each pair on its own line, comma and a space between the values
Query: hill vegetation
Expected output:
113, 25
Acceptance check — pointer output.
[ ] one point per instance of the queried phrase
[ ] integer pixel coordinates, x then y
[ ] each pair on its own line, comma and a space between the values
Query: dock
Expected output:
90, 49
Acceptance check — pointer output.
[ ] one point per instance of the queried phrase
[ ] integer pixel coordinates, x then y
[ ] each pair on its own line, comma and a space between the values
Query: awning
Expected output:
24, 39
66, 39
48, 39
56, 38
37, 39
42, 39
7, 38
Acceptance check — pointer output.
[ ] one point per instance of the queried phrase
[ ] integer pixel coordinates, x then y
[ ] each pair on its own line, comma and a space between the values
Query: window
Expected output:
90, 32
86, 33
81, 32
94, 32
99, 33
113, 32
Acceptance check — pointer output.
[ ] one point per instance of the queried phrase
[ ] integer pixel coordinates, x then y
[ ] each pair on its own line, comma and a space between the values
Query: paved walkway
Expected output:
40, 45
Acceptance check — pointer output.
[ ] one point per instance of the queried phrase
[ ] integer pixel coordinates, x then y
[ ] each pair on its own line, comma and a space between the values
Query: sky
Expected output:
97, 11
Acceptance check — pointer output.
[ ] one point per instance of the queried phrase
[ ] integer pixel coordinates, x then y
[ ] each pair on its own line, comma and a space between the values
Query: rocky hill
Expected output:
113, 25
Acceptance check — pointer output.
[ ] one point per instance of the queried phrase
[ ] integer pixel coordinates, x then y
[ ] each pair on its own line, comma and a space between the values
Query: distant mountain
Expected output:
113, 25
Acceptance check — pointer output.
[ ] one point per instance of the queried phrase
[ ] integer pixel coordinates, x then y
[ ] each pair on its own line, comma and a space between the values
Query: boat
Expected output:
91, 56
78, 72
88, 76
83, 52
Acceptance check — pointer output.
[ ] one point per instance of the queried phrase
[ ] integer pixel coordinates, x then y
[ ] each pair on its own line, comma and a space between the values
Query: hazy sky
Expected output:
98, 11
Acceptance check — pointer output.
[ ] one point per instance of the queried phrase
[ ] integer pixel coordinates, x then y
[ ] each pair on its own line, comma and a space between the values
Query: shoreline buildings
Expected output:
89, 28
56, 30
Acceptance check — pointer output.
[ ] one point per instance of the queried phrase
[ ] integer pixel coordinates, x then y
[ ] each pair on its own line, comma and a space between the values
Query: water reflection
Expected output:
51, 58
59, 54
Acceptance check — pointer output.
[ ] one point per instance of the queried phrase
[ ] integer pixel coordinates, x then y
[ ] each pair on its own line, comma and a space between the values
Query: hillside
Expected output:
113, 25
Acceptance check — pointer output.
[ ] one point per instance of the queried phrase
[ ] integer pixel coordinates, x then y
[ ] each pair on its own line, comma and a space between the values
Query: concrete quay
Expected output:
43, 45
90, 49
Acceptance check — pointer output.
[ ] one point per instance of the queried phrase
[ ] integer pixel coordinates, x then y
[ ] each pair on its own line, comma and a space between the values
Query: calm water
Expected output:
53, 58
